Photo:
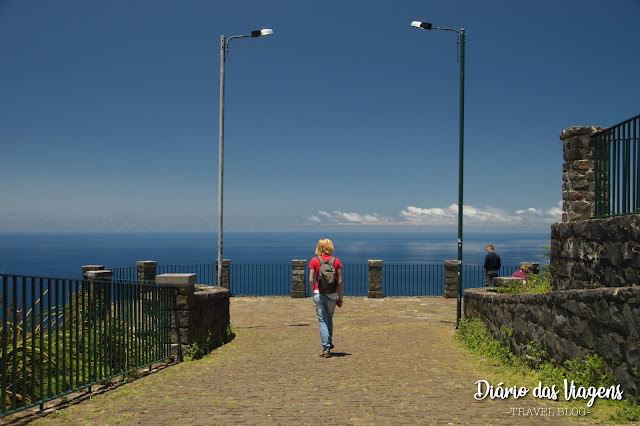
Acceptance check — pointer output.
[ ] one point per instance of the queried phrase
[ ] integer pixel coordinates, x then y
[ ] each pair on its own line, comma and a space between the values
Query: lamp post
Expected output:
460, 40
224, 49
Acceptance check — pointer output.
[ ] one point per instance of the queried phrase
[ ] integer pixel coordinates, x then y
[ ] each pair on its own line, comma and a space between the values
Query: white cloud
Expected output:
550, 215
348, 218
444, 216
314, 219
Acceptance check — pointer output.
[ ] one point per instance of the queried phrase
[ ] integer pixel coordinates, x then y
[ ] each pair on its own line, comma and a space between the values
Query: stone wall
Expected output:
200, 313
375, 279
298, 278
578, 173
568, 324
585, 252
595, 253
595, 272
450, 279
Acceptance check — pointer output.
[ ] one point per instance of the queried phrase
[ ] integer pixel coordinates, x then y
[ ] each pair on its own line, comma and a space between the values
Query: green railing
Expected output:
58, 336
617, 169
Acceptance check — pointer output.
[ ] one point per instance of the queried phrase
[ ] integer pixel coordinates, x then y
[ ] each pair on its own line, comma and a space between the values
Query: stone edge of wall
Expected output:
568, 324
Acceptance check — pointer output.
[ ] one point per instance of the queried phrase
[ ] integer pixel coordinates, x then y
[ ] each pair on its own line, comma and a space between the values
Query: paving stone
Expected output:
395, 362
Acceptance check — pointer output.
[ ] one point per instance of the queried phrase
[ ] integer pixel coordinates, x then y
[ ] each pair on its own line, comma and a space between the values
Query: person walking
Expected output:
325, 283
491, 266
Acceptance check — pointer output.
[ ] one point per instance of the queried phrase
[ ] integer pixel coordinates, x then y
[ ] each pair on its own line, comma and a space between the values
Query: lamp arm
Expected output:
231, 38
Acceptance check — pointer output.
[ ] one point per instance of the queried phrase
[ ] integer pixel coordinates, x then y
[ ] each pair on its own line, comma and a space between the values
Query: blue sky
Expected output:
345, 119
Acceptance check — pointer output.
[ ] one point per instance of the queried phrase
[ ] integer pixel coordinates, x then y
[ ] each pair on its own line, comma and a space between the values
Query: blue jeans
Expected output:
325, 306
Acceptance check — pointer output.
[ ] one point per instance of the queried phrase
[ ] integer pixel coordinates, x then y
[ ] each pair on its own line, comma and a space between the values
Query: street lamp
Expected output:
224, 48
460, 40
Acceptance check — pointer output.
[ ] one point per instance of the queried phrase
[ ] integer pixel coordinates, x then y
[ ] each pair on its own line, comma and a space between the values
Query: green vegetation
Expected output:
45, 352
536, 283
587, 372
196, 351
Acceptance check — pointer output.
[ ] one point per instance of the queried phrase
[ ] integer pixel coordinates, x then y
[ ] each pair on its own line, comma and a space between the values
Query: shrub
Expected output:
590, 371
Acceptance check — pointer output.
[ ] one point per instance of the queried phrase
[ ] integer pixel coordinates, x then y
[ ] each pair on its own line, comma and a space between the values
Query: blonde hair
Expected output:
325, 246
525, 269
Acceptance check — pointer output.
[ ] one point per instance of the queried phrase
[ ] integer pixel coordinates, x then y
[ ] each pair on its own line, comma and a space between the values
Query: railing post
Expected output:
375, 279
100, 286
298, 275
87, 268
183, 287
578, 173
226, 263
450, 279
147, 270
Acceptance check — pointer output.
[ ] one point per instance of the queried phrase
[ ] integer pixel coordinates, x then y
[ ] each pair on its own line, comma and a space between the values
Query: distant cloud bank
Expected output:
442, 216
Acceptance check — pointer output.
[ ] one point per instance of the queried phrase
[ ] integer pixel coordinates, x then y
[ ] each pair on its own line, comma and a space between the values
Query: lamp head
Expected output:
262, 33
422, 25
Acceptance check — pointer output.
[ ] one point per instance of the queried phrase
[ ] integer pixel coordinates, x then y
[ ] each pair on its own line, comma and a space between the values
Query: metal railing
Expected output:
206, 272
275, 279
259, 280
413, 280
58, 336
617, 169
473, 275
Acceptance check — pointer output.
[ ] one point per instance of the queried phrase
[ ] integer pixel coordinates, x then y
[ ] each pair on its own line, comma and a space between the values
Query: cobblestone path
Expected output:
395, 362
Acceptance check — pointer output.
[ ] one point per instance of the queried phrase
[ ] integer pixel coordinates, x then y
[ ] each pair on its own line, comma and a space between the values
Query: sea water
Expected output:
61, 255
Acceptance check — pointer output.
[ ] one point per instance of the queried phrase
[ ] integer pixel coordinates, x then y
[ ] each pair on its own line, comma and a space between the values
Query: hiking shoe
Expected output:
331, 347
325, 354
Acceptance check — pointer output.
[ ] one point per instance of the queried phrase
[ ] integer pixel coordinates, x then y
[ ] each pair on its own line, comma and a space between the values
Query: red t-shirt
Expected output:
315, 265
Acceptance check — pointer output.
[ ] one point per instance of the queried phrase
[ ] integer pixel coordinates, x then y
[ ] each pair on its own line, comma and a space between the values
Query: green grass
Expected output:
535, 364
197, 351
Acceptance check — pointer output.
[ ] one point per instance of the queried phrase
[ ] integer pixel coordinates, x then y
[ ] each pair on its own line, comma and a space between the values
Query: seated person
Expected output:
522, 273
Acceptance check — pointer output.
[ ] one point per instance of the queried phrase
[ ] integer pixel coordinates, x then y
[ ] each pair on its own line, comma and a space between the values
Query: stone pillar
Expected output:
578, 189
225, 273
87, 268
181, 300
450, 279
534, 267
100, 285
146, 271
375, 279
298, 281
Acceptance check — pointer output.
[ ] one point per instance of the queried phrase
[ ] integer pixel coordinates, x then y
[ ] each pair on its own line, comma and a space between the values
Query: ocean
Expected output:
61, 255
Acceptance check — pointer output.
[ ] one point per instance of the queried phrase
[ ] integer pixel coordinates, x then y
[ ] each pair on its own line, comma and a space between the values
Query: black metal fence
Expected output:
260, 280
58, 336
275, 279
617, 169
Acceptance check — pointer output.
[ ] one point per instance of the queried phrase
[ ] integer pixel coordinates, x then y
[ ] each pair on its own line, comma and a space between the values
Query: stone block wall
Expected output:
200, 313
585, 252
298, 278
226, 273
568, 324
375, 279
594, 253
578, 173
450, 278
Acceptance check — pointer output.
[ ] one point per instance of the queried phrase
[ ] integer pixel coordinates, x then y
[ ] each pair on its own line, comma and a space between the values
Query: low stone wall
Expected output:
568, 324
200, 312
596, 252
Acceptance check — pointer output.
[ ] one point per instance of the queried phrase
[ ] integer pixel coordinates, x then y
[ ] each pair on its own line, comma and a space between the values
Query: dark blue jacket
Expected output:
492, 262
